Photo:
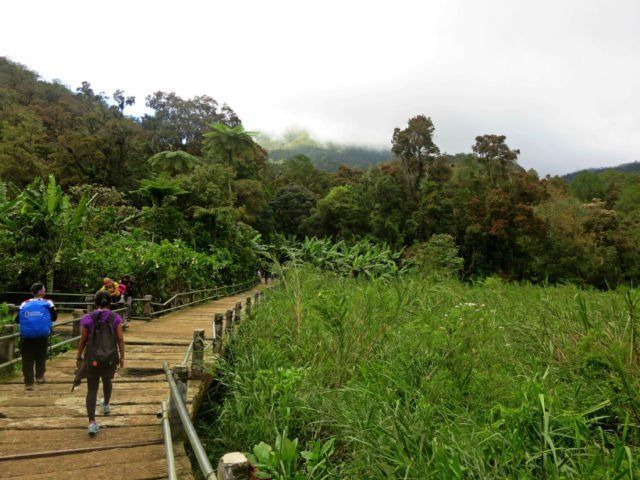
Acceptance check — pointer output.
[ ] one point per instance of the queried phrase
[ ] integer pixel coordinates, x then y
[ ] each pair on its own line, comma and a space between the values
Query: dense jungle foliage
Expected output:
187, 184
411, 378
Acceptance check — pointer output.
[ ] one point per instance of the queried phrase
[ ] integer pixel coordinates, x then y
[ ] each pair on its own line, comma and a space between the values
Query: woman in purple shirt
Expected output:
101, 332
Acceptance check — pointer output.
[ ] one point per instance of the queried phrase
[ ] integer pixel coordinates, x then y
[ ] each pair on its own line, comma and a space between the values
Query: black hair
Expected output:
103, 299
36, 287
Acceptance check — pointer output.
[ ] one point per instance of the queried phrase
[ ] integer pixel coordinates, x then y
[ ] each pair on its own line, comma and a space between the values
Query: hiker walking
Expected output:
104, 341
126, 288
35, 317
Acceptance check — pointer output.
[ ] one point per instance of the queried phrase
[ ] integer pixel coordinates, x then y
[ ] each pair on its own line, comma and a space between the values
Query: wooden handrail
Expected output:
53, 346
228, 290
181, 294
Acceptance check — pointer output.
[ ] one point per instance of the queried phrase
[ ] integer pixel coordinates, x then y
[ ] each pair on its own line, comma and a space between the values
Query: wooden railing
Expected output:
185, 299
10, 355
8, 345
173, 410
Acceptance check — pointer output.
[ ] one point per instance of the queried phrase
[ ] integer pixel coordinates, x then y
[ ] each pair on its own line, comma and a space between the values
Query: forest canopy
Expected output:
79, 173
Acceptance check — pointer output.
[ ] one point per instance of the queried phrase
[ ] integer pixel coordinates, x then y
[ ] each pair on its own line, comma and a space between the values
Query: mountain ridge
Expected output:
630, 167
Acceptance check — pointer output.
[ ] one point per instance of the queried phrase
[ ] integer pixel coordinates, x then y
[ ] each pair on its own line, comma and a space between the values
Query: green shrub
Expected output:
286, 462
439, 256
159, 269
5, 314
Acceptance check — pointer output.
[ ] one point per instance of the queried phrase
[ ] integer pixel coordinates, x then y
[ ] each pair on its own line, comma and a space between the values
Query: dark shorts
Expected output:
101, 372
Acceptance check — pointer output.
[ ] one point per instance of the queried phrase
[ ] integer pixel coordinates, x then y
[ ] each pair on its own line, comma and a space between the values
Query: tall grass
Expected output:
421, 379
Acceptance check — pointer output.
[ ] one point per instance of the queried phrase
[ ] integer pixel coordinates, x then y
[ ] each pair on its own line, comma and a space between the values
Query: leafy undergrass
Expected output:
6, 318
416, 378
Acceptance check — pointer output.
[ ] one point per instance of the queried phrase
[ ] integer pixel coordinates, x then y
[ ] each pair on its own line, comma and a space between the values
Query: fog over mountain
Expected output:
559, 79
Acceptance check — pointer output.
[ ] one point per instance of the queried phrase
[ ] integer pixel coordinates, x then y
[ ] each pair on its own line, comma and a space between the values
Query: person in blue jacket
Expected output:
35, 317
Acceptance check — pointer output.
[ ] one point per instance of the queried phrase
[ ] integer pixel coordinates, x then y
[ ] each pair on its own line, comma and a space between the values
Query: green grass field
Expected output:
418, 379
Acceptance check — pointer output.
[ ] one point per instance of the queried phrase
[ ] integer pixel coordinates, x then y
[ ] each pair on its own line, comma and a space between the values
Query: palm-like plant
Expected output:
228, 143
233, 146
173, 162
159, 188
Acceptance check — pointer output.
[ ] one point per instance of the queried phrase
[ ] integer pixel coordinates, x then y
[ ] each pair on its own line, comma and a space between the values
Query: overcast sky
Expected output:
560, 78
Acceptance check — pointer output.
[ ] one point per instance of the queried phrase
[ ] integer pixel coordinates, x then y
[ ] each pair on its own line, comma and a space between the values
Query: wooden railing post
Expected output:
89, 300
197, 354
125, 317
238, 314
248, 306
146, 306
129, 306
229, 320
218, 325
75, 326
8, 345
257, 298
233, 466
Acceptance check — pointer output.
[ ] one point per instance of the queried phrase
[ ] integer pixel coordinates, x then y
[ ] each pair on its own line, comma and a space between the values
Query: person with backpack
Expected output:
102, 343
35, 317
126, 287
114, 288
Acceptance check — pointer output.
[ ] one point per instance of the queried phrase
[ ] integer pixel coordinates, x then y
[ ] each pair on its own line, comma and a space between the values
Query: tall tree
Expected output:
345, 175
178, 124
415, 148
495, 156
300, 171
342, 213
587, 186
291, 205
389, 212
122, 101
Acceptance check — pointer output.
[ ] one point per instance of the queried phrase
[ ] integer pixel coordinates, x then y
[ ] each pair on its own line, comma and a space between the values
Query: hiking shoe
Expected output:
93, 429
28, 387
106, 409
40, 380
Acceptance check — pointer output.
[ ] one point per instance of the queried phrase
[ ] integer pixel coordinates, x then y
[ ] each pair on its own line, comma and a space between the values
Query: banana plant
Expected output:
44, 213
362, 258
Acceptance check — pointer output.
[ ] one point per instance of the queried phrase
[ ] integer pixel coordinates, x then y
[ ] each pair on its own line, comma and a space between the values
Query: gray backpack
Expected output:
102, 345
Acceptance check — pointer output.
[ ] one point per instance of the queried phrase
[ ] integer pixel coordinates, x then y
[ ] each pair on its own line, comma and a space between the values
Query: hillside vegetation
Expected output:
632, 167
188, 173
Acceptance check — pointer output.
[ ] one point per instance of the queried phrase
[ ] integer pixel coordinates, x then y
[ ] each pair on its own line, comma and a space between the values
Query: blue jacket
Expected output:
35, 317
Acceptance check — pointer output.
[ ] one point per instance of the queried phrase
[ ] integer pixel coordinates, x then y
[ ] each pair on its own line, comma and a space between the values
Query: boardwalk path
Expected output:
43, 432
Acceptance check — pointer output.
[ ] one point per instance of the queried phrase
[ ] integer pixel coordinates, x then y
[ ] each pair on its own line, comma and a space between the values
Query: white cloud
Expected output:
560, 78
